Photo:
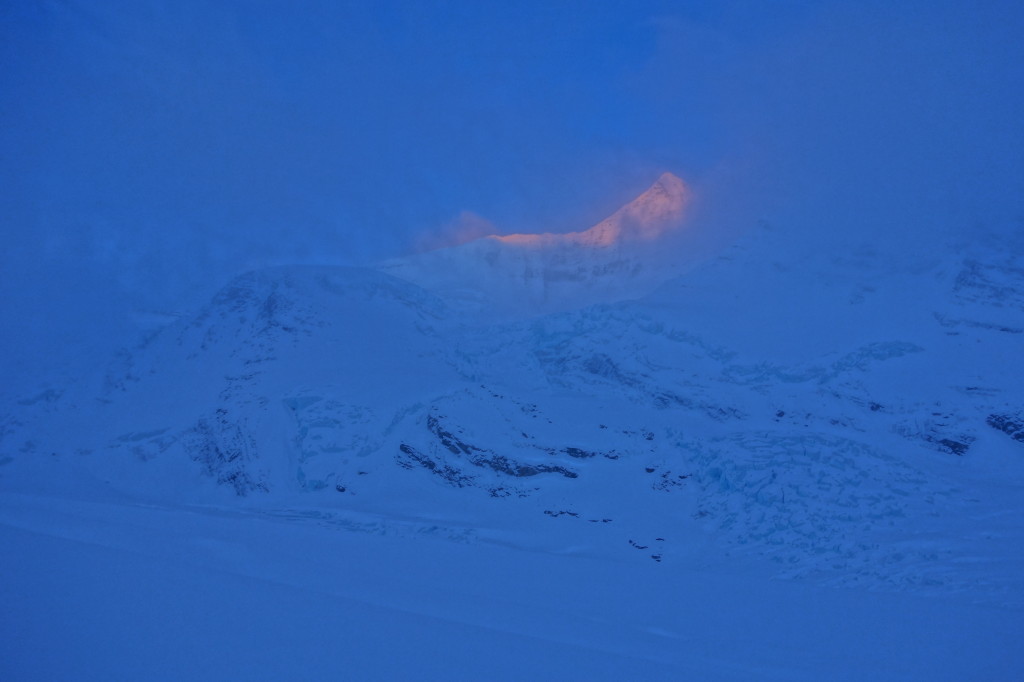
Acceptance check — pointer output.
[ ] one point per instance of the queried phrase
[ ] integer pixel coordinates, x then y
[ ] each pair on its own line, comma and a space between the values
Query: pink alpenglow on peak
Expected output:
654, 213
627, 255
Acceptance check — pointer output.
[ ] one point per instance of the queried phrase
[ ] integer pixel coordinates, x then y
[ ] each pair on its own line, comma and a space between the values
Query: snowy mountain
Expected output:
628, 254
650, 216
851, 419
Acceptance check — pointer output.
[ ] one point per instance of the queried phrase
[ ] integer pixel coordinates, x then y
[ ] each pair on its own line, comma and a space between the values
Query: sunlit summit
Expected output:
651, 215
625, 255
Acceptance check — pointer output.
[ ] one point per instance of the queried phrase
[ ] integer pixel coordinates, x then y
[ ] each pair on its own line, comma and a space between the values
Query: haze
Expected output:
153, 150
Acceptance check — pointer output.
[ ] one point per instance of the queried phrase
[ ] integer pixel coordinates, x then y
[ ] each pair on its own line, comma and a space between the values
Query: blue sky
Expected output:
152, 150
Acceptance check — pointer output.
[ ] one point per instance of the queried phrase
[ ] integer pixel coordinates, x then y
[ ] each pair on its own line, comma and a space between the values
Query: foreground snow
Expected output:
123, 590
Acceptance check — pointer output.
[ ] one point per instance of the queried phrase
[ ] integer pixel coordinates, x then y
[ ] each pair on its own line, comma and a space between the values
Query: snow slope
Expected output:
781, 464
115, 590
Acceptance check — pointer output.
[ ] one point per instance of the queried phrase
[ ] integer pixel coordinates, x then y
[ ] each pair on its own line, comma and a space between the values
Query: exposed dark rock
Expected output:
504, 465
939, 433
448, 439
667, 481
958, 446
999, 285
954, 446
487, 459
580, 453
1011, 425
224, 448
448, 473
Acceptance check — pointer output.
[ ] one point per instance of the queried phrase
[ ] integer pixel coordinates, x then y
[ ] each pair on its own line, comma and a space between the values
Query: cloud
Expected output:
210, 139
465, 227
896, 123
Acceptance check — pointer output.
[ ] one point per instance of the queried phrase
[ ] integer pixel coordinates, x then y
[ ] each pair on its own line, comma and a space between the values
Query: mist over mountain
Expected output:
154, 150
374, 341
628, 254
846, 423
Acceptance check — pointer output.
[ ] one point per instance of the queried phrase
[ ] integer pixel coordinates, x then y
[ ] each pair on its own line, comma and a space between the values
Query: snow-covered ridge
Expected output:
657, 211
624, 256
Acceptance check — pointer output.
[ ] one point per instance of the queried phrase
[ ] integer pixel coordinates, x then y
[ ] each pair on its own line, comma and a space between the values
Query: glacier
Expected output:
601, 454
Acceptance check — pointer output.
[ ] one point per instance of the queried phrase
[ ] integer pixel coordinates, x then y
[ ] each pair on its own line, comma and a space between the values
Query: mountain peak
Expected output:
620, 257
650, 215
655, 212
669, 180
